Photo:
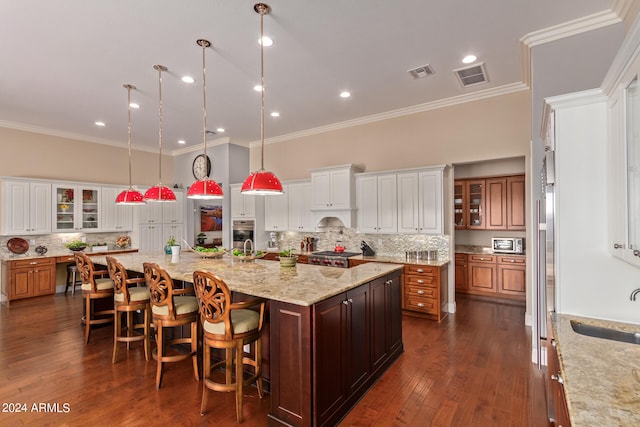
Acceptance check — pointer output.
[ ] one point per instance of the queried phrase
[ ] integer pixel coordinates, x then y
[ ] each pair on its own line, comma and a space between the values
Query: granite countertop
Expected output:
301, 285
475, 250
601, 377
401, 259
31, 254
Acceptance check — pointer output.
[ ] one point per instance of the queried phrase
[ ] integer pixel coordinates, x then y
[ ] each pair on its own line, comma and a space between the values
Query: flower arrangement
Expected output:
123, 242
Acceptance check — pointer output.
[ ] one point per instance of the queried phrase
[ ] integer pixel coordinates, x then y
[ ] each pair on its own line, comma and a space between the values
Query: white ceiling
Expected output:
64, 61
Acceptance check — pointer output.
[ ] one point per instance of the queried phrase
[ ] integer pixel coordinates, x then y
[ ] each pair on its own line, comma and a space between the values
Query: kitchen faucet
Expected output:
634, 293
251, 244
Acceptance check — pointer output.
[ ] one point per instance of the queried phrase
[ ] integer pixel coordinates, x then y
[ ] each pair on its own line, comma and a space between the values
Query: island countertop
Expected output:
301, 285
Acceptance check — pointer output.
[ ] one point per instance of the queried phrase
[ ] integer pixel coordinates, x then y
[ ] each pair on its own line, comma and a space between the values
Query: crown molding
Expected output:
200, 147
627, 54
442, 103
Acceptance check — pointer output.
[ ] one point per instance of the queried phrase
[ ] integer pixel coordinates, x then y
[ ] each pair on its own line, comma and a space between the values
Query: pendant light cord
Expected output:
160, 68
129, 87
262, 11
204, 44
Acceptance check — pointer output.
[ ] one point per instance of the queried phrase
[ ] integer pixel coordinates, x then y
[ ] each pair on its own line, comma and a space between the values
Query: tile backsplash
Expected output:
382, 244
56, 242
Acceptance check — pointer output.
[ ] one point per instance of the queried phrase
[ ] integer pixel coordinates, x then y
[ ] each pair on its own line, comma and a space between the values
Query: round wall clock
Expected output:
201, 166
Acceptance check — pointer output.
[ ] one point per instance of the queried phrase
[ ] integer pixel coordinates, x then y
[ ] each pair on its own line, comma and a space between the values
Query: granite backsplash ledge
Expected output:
56, 242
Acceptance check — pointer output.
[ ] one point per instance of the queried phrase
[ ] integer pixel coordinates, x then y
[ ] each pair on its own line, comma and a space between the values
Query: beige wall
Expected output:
497, 127
26, 154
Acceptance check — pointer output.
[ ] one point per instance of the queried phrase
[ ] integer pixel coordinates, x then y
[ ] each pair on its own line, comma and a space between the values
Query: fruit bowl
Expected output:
239, 255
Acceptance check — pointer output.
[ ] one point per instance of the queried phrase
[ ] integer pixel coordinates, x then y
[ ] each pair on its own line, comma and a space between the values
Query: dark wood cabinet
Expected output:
501, 276
481, 273
329, 354
558, 409
424, 290
492, 203
461, 272
512, 274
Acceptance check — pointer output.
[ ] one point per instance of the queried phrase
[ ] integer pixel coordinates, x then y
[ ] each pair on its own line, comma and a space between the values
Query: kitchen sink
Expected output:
605, 333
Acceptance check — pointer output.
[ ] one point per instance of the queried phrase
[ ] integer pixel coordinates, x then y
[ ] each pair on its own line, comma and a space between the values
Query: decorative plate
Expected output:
17, 245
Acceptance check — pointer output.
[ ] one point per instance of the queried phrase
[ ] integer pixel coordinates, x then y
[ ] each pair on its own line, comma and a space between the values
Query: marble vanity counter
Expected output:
301, 285
601, 377
401, 259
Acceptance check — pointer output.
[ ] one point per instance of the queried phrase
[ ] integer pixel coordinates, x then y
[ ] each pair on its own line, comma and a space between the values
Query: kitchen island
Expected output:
332, 331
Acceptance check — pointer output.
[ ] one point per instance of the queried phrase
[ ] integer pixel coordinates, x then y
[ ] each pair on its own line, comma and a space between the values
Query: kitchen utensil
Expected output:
339, 247
41, 250
366, 249
18, 245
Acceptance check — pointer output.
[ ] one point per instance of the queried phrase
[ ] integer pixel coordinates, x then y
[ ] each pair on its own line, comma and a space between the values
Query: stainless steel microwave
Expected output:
508, 245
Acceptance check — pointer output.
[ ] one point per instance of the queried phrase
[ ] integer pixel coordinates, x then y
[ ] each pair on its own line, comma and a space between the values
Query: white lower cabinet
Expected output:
377, 204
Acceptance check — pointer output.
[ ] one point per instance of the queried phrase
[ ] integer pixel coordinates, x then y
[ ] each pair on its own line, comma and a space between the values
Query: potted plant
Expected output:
76, 245
287, 259
99, 247
171, 241
200, 238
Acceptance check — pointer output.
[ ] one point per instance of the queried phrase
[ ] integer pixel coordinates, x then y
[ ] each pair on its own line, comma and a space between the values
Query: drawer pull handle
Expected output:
420, 270
420, 292
420, 305
420, 281
513, 260
34, 263
557, 378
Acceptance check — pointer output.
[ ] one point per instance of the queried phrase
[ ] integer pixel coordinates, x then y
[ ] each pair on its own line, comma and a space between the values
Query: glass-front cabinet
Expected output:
459, 210
76, 208
475, 204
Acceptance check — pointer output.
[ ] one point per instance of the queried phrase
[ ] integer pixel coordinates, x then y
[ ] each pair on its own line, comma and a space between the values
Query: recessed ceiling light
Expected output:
220, 130
188, 79
100, 124
266, 41
134, 105
275, 114
257, 88
469, 59
345, 94
182, 141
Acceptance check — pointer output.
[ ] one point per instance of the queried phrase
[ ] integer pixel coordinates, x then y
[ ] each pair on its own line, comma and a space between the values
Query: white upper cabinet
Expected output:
242, 206
300, 216
420, 201
333, 188
26, 207
115, 217
76, 208
377, 204
276, 211
173, 212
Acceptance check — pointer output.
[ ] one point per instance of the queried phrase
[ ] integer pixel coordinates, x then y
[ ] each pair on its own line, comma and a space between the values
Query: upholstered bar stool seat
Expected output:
73, 279
96, 285
229, 326
171, 307
130, 296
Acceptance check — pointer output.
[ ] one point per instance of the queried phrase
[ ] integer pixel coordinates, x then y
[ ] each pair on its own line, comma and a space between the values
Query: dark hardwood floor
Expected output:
473, 369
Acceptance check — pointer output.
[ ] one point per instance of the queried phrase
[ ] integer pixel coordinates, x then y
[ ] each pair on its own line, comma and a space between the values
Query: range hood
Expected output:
340, 218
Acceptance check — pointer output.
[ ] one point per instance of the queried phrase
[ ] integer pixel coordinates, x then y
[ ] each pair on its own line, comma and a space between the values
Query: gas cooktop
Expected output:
334, 253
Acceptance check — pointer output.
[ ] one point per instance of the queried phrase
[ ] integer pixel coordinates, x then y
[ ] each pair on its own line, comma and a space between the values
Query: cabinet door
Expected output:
64, 208
21, 283
512, 279
39, 208
394, 308
276, 212
330, 320
387, 203
459, 210
476, 204
321, 186
408, 203
482, 276
461, 272
150, 213
367, 203
616, 177
358, 362
430, 197
516, 203
300, 216
44, 280
88, 209
172, 230
26, 207
151, 237
496, 204
242, 206
114, 217
173, 212
341, 189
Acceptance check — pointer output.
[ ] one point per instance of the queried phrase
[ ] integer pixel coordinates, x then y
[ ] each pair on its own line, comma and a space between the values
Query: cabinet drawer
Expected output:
420, 270
421, 291
66, 258
461, 257
482, 258
425, 305
32, 262
511, 260
420, 281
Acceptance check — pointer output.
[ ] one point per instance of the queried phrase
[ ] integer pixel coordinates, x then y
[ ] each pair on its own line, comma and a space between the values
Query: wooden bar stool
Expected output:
73, 279
229, 326
171, 307
129, 300
96, 285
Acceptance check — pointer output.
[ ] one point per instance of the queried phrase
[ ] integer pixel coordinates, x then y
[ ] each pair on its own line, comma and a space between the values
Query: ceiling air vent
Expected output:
471, 76
421, 72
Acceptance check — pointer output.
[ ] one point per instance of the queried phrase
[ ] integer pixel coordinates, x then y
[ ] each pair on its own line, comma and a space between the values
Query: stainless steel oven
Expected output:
242, 230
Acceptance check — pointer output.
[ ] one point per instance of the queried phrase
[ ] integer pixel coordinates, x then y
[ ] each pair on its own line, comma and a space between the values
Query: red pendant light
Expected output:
160, 193
130, 196
262, 182
204, 188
